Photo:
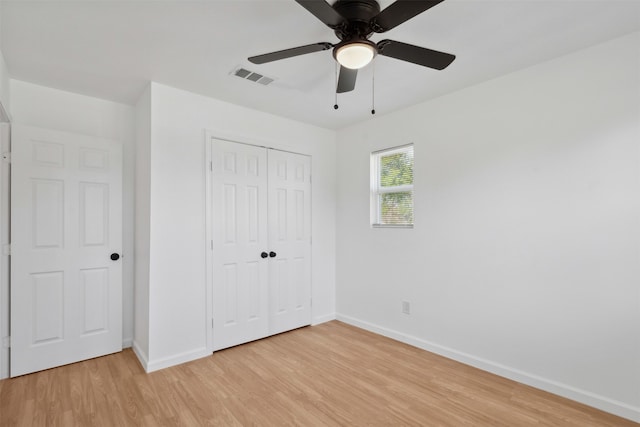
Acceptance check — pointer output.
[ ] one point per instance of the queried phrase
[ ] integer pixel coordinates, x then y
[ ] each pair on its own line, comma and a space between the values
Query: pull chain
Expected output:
373, 88
335, 106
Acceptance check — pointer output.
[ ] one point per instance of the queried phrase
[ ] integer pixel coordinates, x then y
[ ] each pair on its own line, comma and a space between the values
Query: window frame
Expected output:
376, 190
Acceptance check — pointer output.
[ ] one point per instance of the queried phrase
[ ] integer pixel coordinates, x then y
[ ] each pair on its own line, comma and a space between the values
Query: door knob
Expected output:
264, 255
115, 256
272, 254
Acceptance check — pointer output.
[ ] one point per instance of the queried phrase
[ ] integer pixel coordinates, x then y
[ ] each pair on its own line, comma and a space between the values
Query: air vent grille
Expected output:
245, 74
265, 80
254, 77
242, 73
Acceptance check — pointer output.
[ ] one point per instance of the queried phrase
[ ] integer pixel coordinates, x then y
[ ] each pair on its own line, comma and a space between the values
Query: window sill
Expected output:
391, 225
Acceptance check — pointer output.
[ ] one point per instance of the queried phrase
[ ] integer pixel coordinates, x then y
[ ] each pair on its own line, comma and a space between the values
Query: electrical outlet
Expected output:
406, 307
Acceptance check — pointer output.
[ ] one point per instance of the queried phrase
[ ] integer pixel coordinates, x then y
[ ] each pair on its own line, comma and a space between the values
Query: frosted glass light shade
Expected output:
355, 55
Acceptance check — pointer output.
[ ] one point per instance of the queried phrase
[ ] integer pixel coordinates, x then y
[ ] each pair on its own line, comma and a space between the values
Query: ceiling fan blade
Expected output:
416, 54
323, 11
347, 80
400, 11
288, 53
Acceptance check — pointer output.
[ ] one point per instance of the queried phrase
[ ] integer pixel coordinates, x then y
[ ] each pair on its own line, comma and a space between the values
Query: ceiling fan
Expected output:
354, 21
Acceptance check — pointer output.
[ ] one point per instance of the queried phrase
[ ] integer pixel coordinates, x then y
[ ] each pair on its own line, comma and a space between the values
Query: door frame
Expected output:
209, 135
5, 224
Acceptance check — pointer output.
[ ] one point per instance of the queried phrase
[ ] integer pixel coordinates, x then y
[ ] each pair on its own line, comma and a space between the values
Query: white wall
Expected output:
524, 259
178, 327
142, 215
59, 110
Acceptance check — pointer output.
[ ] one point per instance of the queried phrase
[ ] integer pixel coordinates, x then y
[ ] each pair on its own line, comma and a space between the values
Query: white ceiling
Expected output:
110, 49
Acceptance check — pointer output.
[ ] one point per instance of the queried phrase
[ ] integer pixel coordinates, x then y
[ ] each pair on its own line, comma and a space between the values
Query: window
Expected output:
392, 187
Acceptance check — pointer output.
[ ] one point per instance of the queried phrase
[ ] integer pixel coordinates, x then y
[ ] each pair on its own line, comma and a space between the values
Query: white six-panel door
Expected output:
261, 222
289, 240
66, 222
239, 218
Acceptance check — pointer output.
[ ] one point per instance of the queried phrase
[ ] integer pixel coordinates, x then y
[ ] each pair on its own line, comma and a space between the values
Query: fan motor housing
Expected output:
358, 14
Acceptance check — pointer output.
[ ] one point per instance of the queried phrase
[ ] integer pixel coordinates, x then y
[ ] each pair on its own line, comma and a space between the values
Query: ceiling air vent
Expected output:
243, 73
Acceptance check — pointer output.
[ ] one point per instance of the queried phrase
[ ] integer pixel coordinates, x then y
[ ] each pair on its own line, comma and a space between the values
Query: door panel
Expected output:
94, 214
290, 239
48, 213
94, 288
239, 223
47, 299
66, 220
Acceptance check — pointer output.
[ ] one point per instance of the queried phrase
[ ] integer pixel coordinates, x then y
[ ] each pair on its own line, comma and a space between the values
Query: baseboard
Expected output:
141, 355
4, 363
177, 359
591, 399
324, 318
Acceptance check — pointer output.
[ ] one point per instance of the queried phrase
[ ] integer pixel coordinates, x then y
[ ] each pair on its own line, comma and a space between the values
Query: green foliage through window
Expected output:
396, 169
396, 208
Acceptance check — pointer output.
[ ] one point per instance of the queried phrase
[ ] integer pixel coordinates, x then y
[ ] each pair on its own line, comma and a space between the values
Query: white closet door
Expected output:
66, 222
239, 223
289, 241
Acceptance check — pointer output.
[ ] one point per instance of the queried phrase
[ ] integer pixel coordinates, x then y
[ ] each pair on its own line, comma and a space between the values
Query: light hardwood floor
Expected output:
326, 375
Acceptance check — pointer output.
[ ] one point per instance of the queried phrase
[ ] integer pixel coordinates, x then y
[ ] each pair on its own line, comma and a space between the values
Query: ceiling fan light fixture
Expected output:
355, 55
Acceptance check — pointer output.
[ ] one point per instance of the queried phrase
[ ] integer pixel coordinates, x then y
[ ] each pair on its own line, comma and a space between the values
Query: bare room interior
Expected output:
320, 212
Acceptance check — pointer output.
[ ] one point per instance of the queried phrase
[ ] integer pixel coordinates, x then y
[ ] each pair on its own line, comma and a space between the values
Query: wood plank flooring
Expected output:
327, 375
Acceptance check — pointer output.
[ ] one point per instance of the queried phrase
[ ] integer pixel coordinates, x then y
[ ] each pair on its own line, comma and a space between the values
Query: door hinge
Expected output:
212, 323
6, 156
6, 342
310, 302
211, 166
212, 245
6, 249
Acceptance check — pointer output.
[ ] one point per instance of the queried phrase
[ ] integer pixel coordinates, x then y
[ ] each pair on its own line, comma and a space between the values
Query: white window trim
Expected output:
376, 190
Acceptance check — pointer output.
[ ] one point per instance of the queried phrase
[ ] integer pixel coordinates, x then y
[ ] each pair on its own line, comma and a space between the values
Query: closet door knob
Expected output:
272, 254
114, 256
264, 254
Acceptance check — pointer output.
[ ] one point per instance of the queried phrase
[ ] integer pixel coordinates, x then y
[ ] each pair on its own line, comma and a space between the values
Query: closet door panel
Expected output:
289, 240
239, 223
